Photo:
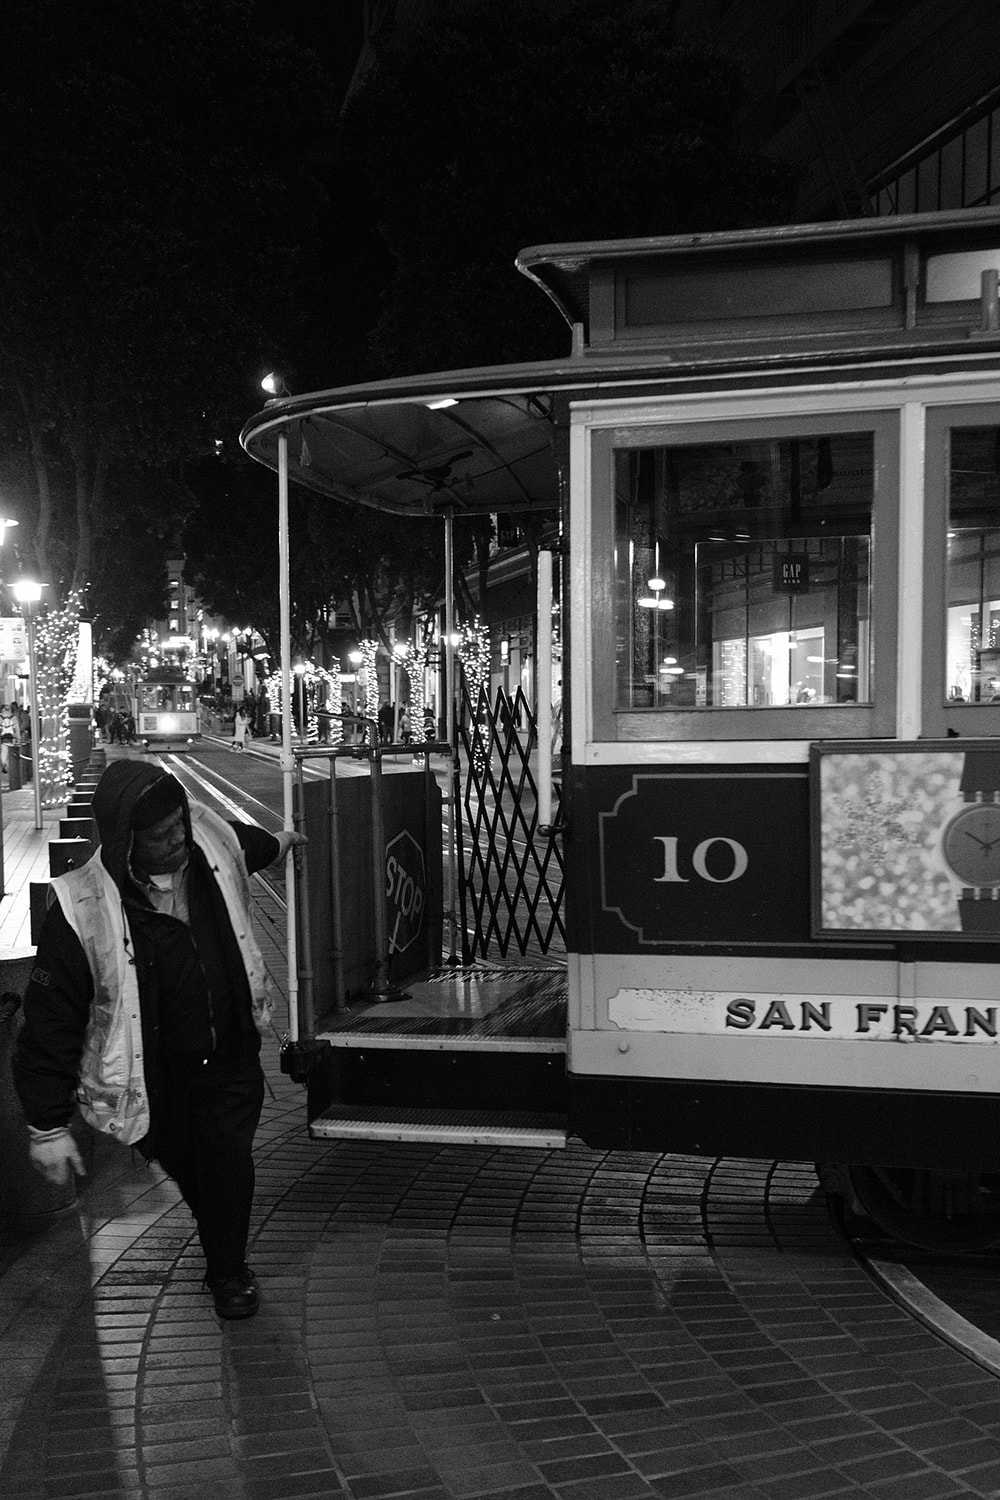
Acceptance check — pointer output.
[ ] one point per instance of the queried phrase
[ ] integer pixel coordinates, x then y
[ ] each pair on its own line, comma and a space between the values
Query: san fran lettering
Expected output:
903, 1020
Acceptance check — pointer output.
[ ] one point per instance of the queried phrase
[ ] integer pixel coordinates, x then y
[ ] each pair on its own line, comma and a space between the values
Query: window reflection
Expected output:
972, 655
742, 573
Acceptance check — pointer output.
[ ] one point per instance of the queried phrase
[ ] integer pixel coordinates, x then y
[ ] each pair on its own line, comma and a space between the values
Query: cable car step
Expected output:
435, 1039
467, 1127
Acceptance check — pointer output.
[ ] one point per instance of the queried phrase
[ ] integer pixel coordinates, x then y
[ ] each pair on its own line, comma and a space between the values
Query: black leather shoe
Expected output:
234, 1296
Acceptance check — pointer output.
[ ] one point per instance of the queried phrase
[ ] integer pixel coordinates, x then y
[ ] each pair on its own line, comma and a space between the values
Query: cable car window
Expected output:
743, 573
972, 649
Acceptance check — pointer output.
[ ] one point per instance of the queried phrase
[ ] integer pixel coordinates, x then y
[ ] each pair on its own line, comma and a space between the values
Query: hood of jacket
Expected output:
115, 795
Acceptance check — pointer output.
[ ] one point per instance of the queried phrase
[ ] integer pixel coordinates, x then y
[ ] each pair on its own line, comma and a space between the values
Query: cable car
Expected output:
775, 457
166, 710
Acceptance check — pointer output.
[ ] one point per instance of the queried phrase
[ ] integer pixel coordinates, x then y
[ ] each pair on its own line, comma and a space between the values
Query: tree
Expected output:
160, 196
161, 192
231, 548
377, 565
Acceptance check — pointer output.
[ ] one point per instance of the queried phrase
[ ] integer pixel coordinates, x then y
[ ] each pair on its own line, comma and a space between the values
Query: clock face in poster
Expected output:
972, 845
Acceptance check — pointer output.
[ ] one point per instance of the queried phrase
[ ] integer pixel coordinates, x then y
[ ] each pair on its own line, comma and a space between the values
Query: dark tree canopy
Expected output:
161, 197
531, 122
231, 547
181, 208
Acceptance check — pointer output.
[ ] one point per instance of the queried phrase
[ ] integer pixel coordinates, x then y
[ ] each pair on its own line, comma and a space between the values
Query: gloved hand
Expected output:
54, 1154
288, 840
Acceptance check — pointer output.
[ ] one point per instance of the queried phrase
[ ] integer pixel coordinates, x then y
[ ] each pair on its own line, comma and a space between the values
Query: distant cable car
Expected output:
166, 710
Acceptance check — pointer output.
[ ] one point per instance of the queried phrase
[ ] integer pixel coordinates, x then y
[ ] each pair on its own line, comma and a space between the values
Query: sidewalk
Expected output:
457, 1324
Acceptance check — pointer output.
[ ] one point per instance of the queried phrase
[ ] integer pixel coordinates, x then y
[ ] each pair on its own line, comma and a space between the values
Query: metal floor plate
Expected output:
465, 1009
461, 1127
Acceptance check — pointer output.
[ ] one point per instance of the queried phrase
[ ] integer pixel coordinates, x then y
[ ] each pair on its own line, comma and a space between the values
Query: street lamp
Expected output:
27, 593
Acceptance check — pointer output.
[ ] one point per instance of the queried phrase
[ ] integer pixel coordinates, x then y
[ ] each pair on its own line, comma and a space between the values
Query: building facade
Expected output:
881, 106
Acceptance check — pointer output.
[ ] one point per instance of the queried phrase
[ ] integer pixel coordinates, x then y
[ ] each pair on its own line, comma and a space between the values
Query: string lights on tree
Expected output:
474, 654
415, 667
56, 641
334, 703
369, 652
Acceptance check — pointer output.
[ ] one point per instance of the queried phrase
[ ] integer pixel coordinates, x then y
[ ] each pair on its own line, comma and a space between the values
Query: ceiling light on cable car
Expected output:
657, 585
440, 402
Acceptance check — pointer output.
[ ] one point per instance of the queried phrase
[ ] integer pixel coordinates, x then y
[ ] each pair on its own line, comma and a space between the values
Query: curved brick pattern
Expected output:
442, 1323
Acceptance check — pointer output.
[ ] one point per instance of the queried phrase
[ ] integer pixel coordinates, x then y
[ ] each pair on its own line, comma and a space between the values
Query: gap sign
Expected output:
405, 889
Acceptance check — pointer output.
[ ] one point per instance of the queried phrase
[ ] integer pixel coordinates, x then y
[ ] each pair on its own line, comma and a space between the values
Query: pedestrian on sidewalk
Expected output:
146, 1004
240, 727
8, 733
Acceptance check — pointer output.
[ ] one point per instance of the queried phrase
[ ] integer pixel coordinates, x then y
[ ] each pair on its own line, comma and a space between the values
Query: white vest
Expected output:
112, 1087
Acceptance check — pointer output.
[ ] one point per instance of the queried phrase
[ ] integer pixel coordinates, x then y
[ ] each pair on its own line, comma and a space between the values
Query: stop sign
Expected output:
405, 888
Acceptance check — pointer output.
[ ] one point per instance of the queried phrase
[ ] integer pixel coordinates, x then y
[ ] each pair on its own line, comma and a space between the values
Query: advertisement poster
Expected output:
906, 840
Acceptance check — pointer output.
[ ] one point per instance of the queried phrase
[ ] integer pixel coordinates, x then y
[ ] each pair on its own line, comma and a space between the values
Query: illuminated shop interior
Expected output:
742, 573
972, 649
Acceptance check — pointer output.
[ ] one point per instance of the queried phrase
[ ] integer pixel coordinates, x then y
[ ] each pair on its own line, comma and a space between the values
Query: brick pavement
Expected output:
444, 1322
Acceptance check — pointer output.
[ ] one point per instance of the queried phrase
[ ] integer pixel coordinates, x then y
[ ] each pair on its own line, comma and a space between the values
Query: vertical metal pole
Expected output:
451, 864
380, 984
36, 737
306, 961
336, 910
449, 625
287, 761
543, 706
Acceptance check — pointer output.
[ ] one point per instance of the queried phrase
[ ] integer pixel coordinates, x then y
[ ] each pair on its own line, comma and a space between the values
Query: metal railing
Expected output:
371, 750
511, 869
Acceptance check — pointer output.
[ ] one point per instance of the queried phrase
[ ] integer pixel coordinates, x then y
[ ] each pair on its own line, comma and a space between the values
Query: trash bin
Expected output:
14, 768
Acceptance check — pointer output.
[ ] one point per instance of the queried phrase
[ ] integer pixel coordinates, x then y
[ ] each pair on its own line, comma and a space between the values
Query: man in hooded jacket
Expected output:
146, 1004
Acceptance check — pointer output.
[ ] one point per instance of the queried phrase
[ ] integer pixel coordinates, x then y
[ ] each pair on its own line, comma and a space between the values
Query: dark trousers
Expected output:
206, 1118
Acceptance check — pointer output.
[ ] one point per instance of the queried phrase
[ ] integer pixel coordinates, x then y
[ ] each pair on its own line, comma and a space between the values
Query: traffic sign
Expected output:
405, 890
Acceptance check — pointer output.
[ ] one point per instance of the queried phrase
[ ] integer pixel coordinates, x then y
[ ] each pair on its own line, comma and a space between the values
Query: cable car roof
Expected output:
644, 312
390, 447
567, 273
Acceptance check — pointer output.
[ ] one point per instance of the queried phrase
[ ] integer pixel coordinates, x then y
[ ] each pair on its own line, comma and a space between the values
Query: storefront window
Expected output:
742, 573
972, 651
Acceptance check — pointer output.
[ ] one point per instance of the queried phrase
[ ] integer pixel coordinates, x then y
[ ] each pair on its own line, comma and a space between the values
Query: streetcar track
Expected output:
909, 1292
182, 767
